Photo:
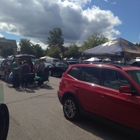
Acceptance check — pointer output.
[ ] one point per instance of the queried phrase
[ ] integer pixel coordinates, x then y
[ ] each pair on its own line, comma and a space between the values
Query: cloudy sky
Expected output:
78, 19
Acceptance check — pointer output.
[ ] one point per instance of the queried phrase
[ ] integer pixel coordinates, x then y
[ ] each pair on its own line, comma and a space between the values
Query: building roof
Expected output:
11, 41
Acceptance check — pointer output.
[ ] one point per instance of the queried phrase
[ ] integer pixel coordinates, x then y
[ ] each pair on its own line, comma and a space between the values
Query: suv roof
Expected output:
24, 56
109, 65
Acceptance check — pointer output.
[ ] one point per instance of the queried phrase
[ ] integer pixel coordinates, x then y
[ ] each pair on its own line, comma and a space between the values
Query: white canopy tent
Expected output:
92, 59
49, 59
46, 57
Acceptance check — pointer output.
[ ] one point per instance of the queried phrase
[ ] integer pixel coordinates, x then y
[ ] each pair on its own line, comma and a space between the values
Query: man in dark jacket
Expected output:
25, 73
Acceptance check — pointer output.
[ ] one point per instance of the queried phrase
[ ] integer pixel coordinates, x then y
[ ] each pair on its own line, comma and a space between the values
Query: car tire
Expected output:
71, 109
4, 122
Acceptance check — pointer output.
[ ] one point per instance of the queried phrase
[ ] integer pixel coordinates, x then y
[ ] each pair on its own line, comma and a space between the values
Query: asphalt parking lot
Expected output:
36, 114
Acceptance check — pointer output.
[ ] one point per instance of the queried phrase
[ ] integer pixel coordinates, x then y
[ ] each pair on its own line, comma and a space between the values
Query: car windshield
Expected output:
135, 75
47, 64
63, 64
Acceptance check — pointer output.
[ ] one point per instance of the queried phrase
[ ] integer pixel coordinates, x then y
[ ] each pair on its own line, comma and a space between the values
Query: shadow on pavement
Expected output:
103, 130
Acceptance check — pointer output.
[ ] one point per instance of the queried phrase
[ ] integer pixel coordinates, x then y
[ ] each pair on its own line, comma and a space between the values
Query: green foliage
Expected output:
54, 52
93, 41
6, 51
27, 47
138, 44
56, 39
39, 52
72, 51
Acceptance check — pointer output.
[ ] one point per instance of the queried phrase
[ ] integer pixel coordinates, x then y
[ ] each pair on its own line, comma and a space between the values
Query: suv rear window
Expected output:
90, 74
74, 72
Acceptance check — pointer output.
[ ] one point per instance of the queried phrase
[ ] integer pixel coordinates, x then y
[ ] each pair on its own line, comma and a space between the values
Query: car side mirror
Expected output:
125, 89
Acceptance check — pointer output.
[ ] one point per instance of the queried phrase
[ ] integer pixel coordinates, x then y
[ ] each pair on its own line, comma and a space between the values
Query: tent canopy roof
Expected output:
117, 48
46, 57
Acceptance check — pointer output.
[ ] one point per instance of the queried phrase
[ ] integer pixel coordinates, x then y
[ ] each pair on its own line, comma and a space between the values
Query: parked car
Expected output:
60, 67
105, 91
131, 61
4, 121
137, 63
1, 60
48, 65
6, 65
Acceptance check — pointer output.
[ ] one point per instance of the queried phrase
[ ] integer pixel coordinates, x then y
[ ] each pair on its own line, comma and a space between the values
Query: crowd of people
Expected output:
22, 69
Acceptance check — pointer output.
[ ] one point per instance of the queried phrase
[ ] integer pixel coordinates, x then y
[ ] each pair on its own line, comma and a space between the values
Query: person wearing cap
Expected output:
15, 70
25, 73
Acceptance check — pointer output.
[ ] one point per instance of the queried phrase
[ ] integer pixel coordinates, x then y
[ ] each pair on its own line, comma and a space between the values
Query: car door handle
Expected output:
77, 88
104, 97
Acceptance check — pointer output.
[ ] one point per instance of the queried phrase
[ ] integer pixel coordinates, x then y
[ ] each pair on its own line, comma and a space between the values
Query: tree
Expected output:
26, 46
72, 51
93, 41
6, 51
56, 39
138, 44
54, 52
39, 52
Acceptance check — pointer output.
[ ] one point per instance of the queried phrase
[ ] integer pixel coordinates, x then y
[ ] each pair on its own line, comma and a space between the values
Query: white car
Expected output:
133, 60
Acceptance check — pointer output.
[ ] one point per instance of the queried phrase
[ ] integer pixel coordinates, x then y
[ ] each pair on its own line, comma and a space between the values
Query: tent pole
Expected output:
123, 60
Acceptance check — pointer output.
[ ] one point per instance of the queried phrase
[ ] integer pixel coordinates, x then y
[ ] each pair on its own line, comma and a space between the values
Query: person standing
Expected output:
25, 70
15, 71
40, 71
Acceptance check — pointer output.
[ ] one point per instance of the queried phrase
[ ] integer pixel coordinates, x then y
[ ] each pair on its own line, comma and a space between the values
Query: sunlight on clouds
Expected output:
6, 26
96, 14
1, 35
41, 16
79, 2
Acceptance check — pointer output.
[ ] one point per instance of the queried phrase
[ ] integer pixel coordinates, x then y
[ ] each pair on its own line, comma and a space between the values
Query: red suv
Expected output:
107, 91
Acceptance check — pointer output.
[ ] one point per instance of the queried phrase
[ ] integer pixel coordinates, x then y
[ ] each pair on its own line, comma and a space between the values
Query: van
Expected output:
52, 60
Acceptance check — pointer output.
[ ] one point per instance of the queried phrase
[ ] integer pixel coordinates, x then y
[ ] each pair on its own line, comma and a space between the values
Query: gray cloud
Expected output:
35, 18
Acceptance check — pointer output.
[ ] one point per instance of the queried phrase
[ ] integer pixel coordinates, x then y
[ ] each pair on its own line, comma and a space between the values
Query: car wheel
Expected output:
70, 109
4, 121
